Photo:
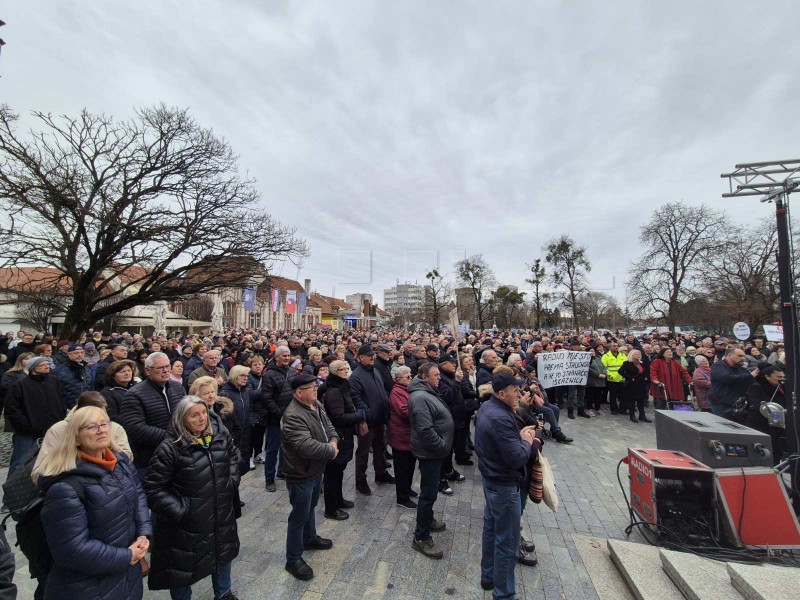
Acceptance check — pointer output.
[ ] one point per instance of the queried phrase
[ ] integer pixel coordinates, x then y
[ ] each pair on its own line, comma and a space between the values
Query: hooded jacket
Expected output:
193, 493
432, 424
89, 539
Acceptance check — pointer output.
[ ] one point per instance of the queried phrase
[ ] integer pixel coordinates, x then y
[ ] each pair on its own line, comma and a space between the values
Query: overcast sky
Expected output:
397, 134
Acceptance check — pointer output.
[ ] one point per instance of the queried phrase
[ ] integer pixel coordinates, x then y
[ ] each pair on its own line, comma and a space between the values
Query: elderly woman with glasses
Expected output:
338, 403
399, 438
94, 513
192, 489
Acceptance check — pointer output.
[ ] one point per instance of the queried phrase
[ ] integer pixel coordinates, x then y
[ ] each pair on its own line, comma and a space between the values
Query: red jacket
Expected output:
399, 435
670, 373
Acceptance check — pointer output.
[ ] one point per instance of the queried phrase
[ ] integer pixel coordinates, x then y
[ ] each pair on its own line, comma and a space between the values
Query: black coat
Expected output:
761, 391
636, 384
115, 397
9, 377
241, 416
89, 539
146, 416
20, 348
385, 369
453, 396
369, 394
341, 410
276, 392
100, 373
193, 493
34, 403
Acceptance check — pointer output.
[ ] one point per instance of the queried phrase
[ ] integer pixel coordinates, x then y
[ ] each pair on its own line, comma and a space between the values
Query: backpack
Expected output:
24, 500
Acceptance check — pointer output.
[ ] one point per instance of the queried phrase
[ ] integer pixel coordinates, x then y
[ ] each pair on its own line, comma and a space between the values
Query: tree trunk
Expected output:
77, 321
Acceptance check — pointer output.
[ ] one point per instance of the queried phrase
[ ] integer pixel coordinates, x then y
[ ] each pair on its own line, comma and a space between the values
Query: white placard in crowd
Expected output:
741, 331
774, 333
563, 368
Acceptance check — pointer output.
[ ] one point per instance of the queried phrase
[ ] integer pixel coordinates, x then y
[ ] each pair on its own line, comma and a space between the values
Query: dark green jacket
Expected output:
305, 438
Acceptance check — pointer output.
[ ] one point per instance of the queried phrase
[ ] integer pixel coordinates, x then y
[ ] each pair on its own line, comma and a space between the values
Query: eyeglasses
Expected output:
95, 427
164, 368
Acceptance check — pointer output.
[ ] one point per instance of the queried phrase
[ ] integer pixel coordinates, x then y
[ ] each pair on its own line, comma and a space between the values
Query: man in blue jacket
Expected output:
729, 382
503, 449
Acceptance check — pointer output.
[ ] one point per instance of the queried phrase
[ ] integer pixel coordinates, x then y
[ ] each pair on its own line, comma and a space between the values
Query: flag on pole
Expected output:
249, 299
301, 303
276, 299
291, 301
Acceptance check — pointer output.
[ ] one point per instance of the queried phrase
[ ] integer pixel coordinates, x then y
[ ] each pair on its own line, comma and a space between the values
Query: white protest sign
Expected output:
741, 331
563, 368
774, 333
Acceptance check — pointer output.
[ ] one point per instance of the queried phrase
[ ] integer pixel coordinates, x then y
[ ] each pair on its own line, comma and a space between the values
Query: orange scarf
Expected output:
109, 461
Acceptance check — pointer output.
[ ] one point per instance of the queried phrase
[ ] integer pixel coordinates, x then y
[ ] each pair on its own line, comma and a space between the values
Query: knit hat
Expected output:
36, 360
74, 347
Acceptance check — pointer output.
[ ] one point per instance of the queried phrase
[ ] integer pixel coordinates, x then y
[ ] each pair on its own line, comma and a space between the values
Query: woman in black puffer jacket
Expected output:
336, 399
94, 514
118, 380
237, 391
192, 489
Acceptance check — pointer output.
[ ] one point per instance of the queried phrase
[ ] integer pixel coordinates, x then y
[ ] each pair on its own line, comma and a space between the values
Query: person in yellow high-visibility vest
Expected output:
613, 360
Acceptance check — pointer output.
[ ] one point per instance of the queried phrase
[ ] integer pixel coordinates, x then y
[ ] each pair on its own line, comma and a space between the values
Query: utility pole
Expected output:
774, 181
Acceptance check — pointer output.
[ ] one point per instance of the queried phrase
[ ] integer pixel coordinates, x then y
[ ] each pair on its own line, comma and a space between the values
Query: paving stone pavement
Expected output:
372, 555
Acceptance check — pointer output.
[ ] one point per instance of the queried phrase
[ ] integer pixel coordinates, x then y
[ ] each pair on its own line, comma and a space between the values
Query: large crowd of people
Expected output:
145, 440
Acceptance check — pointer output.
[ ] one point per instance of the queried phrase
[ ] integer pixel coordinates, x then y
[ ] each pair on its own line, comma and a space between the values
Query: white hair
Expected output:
152, 358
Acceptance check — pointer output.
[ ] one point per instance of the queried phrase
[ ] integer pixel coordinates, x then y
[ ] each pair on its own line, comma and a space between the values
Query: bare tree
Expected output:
537, 280
197, 307
437, 296
131, 212
679, 242
570, 266
39, 307
743, 280
474, 273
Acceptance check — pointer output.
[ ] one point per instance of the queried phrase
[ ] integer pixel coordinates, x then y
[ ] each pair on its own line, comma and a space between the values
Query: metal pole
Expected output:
790, 337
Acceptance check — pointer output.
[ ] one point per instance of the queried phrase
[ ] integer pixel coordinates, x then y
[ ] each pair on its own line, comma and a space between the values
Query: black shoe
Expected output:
562, 439
241, 503
384, 478
407, 503
347, 504
227, 596
466, 462
644, 419
413, 494
270, 485
456, 476
634, 419
388, 455
338, 515
487, 585
614, 412
318, 543
363, 487
582, 413
438, 526
570, 413
445, 489
527, 558
300, 570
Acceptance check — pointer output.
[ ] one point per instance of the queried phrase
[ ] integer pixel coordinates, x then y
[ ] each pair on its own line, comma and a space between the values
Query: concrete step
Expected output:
606, 579
640, 565
765, 582
698, 578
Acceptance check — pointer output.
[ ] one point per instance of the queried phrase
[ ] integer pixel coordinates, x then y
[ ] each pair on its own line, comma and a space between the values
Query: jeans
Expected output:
302, 527
334, 474
550, 413
430, 472
404, 463
23, 444
273, 455
375, 439
576, 396
500, 545
220, 581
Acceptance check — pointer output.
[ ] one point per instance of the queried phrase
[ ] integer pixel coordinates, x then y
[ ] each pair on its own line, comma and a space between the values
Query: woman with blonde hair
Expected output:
192, 488
220, 408
94, 513
237, 391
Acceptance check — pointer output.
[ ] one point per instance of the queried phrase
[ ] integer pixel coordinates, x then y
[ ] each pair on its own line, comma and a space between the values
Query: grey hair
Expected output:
426, 367
700, 359
483, 355
282, 350
731, 351
401, 371
180, 414
152, 358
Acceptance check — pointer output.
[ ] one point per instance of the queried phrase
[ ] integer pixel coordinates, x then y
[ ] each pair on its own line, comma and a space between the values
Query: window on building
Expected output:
229, 314
255, 319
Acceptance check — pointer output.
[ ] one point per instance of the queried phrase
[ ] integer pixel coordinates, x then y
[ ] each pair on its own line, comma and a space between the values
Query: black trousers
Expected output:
334, 475
404, 463
257, 438
459, 443
614, 389
594, 397
429, 470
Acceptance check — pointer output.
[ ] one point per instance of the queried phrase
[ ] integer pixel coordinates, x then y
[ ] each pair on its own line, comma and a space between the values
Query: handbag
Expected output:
535, 485
549, 494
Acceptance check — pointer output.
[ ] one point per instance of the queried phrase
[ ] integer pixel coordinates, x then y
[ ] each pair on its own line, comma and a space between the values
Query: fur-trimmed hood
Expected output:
223, 407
